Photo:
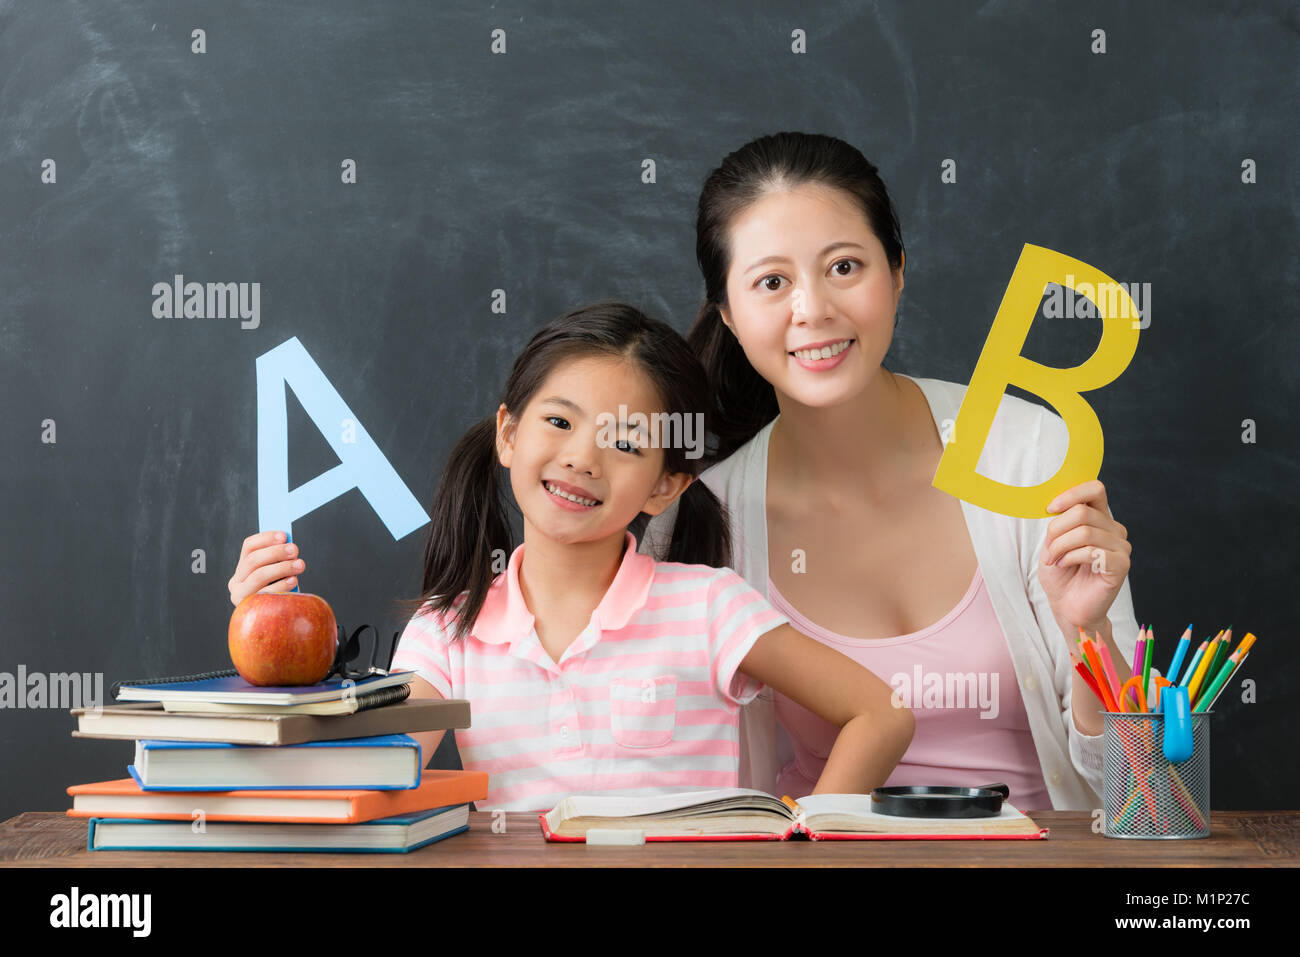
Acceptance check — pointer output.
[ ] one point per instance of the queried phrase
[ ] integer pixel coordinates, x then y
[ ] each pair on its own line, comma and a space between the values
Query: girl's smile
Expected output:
569, 496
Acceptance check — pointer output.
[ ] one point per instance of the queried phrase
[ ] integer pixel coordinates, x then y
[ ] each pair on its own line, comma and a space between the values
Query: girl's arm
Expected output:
874, 732
429, 740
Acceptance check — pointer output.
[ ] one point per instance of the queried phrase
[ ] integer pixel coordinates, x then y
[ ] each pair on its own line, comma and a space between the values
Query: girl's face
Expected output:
810, 294
569, 442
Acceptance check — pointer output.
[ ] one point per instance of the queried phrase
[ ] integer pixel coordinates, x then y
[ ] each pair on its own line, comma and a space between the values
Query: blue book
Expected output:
382, 762
227, 686
393, 835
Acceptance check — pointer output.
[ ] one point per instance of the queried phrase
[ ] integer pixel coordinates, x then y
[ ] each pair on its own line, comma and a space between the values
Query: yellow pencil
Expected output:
1194, 685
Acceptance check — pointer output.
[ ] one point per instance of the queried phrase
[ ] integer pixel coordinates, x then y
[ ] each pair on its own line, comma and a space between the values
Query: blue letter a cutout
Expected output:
361, 465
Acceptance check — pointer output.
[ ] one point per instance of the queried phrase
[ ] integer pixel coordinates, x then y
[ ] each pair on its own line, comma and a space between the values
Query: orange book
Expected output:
124, 798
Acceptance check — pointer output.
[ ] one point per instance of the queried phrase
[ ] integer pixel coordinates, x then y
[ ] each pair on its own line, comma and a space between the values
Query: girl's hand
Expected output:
1085, 559
264, 562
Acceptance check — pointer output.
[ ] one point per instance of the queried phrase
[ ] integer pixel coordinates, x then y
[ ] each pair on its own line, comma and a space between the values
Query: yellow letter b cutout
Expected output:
1001, 364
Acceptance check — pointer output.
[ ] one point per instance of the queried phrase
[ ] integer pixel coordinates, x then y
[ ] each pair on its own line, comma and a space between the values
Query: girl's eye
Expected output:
563, 423
623, 445
842, 262
764, 282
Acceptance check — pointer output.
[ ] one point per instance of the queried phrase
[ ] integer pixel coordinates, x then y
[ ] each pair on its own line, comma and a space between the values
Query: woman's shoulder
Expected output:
728, 478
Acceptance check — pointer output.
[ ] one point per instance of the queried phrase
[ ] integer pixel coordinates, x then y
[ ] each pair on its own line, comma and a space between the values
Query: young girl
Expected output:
590, 667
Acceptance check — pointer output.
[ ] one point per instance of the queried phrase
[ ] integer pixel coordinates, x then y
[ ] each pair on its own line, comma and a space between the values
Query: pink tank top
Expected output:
958, 679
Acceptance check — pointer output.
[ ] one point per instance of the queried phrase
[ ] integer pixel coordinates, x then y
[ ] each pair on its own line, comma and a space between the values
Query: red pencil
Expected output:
1087, 678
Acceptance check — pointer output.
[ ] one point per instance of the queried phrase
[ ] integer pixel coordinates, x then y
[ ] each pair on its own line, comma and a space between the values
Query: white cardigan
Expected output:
1026, 446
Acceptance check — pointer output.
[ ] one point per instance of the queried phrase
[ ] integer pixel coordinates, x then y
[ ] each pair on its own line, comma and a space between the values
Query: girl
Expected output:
827, 456
591, 667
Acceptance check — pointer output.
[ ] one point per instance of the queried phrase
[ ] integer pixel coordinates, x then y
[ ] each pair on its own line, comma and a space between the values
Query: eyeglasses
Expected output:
349, 662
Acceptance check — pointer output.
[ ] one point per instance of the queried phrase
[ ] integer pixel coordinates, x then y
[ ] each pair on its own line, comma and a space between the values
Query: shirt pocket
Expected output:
643, 711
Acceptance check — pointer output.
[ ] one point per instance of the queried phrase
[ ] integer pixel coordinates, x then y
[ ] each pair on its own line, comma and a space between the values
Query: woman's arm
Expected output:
874, 730
1084, 562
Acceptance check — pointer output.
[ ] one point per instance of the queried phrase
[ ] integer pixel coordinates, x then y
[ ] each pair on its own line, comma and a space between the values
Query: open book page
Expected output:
717, 811
612, 805
826, 813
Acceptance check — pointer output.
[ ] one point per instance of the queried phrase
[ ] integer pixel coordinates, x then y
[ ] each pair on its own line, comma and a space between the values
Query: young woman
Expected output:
825, 460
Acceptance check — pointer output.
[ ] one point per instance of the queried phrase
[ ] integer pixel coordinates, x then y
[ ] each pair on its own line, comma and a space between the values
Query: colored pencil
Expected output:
1087, 677
1216, 664
1230, 668
1079, 642
1109, 665
1139, 653
1146, 662
1198, 679
1129, 745
1240, 661
1179, 653
1094, 662
1193, 664
1213, 687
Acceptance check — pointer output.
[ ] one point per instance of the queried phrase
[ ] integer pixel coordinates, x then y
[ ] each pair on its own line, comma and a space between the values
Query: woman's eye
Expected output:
563, 423
842, 262
766, 280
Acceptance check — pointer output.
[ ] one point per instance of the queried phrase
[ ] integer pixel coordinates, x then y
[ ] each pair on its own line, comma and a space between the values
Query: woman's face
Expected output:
810, 294
569, 442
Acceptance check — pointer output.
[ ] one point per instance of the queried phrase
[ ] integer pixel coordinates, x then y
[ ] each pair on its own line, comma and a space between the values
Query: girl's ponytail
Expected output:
469, 523
701, 532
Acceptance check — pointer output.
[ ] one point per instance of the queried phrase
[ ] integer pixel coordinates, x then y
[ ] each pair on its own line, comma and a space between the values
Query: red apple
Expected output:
283, 638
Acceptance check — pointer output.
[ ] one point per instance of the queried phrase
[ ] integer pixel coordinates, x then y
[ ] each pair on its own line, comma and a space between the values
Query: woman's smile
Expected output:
822, 356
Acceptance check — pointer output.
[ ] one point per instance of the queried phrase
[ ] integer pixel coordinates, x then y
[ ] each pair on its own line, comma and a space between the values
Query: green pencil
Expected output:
1146, 665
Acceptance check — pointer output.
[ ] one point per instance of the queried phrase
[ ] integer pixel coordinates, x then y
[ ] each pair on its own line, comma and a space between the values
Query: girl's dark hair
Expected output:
470, 519
743, 401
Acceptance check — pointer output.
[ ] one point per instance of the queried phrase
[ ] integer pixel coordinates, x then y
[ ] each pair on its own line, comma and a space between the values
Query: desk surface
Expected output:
1237, 839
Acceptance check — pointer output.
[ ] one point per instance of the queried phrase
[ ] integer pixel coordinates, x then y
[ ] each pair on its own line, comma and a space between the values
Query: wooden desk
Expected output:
1237, 839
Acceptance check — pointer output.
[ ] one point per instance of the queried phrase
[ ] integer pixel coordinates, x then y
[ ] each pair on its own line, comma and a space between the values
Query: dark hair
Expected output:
469, 520
743, 401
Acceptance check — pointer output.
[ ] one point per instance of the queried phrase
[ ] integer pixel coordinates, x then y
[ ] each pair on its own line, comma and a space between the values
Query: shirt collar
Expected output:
505, 616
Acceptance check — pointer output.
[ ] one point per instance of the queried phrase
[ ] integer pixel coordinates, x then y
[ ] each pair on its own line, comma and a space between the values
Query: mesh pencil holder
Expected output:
1146, 795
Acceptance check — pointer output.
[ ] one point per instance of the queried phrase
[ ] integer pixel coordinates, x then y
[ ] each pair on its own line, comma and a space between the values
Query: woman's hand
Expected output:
1085, 559
266, 564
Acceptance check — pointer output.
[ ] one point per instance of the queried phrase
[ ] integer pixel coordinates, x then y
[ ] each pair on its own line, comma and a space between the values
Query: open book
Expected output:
743, 814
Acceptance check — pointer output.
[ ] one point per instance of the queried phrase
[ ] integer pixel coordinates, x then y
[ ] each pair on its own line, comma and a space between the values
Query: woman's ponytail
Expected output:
743, 401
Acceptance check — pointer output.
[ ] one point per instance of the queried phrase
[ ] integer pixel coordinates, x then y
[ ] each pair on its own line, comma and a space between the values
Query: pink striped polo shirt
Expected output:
646, 700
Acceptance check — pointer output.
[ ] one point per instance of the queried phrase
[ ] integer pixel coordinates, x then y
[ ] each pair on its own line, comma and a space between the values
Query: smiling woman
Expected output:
825, 461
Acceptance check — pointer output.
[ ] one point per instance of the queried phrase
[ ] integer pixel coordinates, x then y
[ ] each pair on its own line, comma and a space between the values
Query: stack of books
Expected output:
223, 765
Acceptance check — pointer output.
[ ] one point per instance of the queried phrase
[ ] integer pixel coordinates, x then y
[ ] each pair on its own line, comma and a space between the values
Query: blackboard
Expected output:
522, 171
